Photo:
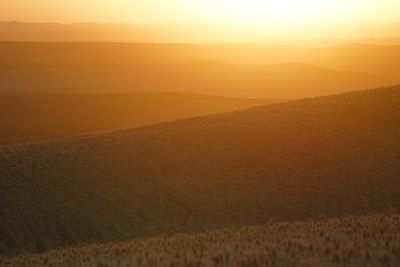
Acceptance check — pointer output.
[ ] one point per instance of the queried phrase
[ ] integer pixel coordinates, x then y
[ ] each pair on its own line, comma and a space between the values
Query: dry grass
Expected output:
372, 240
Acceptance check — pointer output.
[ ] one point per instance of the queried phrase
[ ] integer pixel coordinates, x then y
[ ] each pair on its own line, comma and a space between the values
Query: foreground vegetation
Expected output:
372, 240
328, 156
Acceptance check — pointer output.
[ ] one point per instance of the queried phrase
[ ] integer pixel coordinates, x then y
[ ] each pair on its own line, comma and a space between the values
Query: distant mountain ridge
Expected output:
192, 33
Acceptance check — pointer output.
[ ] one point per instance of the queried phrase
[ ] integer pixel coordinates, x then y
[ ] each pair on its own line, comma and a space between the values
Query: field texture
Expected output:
366, 241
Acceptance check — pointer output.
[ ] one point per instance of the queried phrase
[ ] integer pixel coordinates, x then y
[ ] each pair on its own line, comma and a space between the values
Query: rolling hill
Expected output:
306, 159
35, 117
351, 57
238, 70
207, 77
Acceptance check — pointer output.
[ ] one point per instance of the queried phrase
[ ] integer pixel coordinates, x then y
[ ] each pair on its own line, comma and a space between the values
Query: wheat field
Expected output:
369, 240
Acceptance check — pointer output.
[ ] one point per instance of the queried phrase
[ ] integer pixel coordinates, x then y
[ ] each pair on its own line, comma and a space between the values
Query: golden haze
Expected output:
109, 132
278, 19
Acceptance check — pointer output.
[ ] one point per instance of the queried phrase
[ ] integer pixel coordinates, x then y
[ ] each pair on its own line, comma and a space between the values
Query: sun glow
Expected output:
233, 12
256, 12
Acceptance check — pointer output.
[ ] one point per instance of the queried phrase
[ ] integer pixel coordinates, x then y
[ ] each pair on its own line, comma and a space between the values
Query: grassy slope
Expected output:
234, 70
371, 240
316, 157
38, 117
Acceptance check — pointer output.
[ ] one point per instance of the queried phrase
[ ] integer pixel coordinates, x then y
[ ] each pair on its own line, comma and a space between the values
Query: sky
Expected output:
230, 12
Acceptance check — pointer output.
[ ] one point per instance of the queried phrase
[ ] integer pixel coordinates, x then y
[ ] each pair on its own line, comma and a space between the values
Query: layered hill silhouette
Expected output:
35, 117
285, 81
191, 33
310, 158
253, 71
372, 59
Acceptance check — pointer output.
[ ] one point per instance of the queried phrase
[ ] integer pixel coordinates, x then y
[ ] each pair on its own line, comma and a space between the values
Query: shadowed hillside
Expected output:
255, 71
317, 157
38, 117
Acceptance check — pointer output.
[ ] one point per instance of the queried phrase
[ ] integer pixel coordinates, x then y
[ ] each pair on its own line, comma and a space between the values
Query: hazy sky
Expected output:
252, 12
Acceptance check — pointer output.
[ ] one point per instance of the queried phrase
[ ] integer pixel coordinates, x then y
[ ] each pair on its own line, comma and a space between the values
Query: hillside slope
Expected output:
35, 117
372, 240
305, 159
